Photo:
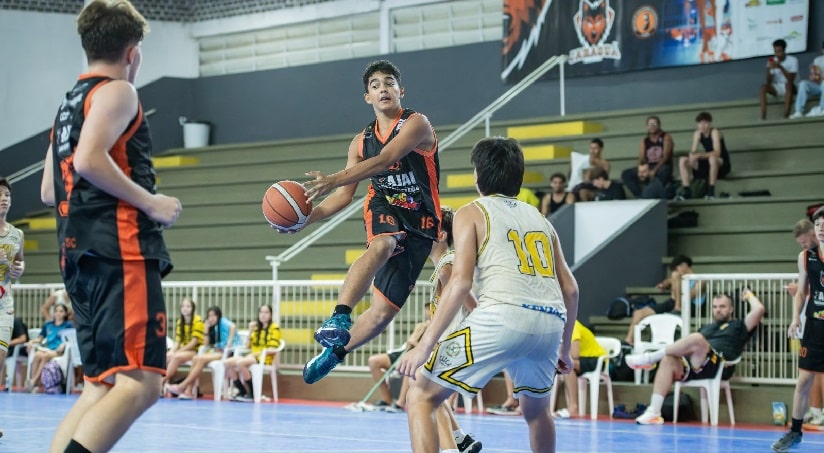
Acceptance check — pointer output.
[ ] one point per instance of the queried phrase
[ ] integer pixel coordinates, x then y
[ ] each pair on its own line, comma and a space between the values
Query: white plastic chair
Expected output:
70, 359
467, 402
14, 360
662, 329
258, 368
596, 376
710, 394
218, 367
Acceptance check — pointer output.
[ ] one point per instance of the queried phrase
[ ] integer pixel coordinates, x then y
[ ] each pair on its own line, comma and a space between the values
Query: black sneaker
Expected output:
786, 442
469, 445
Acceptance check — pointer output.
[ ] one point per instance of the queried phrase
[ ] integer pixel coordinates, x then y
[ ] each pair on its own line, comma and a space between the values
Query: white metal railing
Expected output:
303, 305
769, 357
484, 115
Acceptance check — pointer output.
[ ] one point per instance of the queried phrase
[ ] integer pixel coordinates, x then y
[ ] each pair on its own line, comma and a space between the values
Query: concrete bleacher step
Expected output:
775, 211
174, 161
734, 238
43, 223
339, 276
550, 130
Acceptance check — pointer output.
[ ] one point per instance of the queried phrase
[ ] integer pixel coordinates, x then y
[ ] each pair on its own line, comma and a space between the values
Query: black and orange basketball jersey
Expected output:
409, 186
90, 220
814, 325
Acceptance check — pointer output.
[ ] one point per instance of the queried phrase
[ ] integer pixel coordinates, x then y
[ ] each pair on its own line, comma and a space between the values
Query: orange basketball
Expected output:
285, 205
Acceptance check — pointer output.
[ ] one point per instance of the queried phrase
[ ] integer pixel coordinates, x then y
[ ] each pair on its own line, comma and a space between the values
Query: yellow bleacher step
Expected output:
38, 223
174, 161
327, 276
546, 152
553, 130
468, 179
353, 254
295, 337
457, 202
30, 245
307, 307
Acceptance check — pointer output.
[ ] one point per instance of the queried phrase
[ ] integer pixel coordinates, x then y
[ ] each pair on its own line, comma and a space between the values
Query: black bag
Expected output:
619, 308
755, 193
683, 219
619, 370
685, 413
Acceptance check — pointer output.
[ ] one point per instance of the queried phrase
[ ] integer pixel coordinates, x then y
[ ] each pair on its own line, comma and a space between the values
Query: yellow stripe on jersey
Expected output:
486, 219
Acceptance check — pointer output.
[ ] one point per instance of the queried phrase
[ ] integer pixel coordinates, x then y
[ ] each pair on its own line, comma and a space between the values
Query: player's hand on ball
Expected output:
319, 186
290, 230
165, 210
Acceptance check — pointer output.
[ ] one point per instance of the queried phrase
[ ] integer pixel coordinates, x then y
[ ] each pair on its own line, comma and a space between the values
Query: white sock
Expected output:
656, 403
451, 450
458, 435
656, 356
816, 411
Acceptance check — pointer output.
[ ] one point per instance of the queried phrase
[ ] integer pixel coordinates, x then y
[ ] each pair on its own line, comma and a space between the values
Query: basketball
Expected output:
285, 206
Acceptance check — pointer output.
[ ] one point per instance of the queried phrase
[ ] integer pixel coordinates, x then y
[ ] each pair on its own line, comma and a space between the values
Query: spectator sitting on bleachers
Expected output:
699, 354
781, 72
656, 152
811, 87
606, 188
580, 180
47, 345
557, 197
712, 163
679, 266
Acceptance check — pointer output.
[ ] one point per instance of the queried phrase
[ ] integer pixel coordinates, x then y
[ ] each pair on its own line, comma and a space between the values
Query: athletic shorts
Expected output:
811, 357
5, 338
394, 356
708, 370
493, 338
396, 279
588, 364
120, 315
701, 170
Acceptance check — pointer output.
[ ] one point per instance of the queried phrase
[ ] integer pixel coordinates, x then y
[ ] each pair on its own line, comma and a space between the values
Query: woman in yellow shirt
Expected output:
264, 334
189, 331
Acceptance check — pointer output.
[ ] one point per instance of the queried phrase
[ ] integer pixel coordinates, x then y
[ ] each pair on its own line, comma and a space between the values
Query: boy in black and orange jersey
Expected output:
98, 174
399, 152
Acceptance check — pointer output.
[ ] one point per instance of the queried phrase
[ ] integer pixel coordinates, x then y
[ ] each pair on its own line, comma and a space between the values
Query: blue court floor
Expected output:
28, 422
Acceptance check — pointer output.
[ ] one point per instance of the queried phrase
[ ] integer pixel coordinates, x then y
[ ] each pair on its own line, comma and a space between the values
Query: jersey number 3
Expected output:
534, 253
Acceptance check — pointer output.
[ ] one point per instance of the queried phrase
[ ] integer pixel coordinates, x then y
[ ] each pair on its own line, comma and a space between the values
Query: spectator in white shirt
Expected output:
781, 72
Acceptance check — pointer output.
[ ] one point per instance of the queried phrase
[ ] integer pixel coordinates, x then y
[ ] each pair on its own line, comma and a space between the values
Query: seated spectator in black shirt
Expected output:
607, 189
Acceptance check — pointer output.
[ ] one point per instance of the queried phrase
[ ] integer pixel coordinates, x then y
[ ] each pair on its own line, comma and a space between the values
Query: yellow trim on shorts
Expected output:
447, 375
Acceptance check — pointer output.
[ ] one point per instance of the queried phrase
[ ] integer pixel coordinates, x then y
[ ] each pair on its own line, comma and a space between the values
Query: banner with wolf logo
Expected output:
603, 36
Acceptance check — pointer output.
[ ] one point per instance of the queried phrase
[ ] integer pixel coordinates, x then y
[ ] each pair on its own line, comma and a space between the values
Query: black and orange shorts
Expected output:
120, 315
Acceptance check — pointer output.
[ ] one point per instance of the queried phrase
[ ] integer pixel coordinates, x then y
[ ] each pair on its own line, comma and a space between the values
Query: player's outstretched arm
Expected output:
415, 133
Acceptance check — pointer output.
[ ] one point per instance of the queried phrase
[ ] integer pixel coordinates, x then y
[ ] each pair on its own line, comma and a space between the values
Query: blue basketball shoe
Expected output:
335, 331
321, 365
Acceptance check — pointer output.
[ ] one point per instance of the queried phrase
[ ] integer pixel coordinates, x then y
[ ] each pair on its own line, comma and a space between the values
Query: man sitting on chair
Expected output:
698, 355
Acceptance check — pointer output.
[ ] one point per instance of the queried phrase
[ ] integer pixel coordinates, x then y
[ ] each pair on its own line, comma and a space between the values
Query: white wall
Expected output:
596, 222
45, 58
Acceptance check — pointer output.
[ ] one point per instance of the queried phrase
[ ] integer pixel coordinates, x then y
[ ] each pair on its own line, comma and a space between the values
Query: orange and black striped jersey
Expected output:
90, 220
409, 186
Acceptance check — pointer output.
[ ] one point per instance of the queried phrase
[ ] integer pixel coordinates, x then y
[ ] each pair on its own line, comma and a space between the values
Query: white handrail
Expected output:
484, 115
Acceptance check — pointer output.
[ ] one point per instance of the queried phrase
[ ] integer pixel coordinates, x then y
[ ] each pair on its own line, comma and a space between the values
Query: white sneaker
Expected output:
796, 115
650, 418
815, 111
560, 414
817, 419
641, 361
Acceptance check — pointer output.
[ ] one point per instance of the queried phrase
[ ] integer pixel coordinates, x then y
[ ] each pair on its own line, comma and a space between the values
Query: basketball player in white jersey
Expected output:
11, 268
527, 305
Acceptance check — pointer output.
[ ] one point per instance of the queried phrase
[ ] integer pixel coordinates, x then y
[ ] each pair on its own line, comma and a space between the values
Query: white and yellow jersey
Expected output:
447, 259
515, 260
11, 243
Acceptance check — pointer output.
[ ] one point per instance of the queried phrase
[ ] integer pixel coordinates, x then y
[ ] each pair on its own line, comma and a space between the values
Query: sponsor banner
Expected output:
603, 36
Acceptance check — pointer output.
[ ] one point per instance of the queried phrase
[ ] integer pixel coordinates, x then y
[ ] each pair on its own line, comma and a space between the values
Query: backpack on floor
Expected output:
52, 378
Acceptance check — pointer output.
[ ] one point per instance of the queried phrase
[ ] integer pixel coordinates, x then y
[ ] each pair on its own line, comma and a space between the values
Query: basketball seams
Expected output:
288, 218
